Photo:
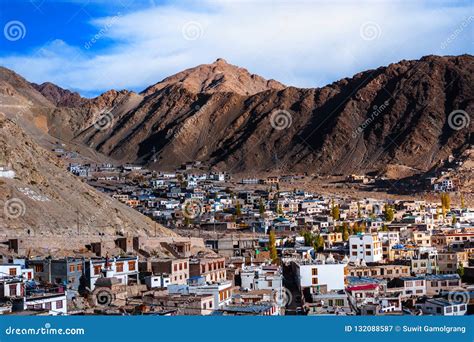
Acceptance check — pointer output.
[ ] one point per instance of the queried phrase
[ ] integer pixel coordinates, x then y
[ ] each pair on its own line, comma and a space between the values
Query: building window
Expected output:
175, 268
59, 304
339, 302
315, 281
13, 291
314, 271
79, 268
97, 269
47, 306
131, 266
12, 271
368, 253
71, 268
180, 266
119, 267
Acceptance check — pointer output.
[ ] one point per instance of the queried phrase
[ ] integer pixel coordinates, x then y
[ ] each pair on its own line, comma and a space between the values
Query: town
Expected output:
251, 246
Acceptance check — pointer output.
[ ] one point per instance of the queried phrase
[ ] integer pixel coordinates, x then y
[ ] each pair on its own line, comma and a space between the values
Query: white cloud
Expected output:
298, 43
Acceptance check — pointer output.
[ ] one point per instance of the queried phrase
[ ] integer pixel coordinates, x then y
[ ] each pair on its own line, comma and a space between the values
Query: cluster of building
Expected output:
267, 251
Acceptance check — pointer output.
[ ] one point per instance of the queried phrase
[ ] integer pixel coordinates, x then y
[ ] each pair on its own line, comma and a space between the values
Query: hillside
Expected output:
387, 119
44, 199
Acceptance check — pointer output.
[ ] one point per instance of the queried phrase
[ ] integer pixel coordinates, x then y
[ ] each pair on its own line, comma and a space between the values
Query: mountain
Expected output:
391, 117
43, 199
218, 77
50, 199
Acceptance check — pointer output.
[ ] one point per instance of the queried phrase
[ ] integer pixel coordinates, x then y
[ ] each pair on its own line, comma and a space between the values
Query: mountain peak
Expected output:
219, 76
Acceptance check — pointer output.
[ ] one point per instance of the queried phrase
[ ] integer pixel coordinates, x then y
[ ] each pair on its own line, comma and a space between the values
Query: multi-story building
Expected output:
436, 284
448, 262
66, 271
211, 268
261, 278
319, 276
222, 292
125, 269
442, 307
365, 247
177, 269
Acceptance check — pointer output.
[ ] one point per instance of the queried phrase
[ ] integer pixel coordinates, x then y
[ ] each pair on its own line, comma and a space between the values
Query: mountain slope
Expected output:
392, 115
234, 121
45, 199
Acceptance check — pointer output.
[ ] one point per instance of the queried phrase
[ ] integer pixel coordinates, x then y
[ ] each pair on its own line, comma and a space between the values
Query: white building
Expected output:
157, 281
123, 269
222, 291
442, 307
365, 247
55, 303
318, 275
261, 278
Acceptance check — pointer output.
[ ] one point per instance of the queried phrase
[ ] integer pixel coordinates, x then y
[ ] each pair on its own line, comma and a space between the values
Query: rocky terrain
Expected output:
43, 199
393, 120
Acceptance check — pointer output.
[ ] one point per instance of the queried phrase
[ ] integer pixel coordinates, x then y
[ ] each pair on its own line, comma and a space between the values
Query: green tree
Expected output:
463, 204
335, 211
359, 211
261, 207
238, 209
345, 234
384, 228
460, 269
388, 213
308, 237
272, 246
279, 209
454, 220
187, 221
318, 243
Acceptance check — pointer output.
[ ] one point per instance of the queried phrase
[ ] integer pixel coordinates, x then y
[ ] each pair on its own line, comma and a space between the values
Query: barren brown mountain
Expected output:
234, 121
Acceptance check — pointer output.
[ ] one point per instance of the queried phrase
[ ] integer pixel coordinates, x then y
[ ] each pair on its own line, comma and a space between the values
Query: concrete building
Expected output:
125, 269
365, 247
177, 269
211, 268
67, 272
319, 276
261, 278
442, 307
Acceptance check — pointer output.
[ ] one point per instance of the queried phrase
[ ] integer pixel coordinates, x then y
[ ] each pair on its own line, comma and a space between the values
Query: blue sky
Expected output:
92, 46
